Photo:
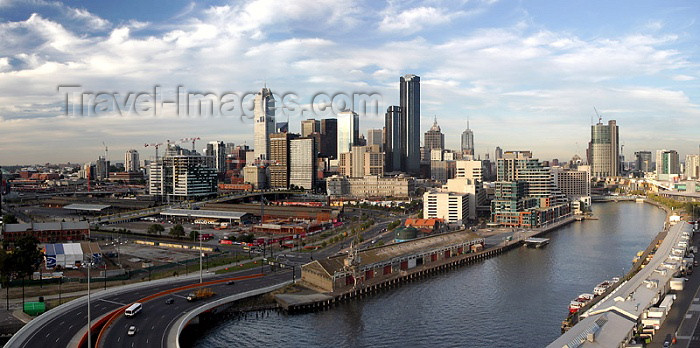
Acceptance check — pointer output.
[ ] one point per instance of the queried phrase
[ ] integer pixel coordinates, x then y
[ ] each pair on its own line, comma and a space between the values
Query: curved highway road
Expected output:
156, 319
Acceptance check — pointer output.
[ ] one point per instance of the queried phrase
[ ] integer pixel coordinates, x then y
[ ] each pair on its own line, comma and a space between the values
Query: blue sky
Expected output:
526, 73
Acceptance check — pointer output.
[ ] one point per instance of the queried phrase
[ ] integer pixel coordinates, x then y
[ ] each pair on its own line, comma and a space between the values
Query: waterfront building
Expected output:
450, 206
379, 263
410, 122
182, 177
604, 150
370, 186
329, 138
434, 139
264, 113
348, 131
302, 153
575, 184
393, 126
217, 151
131, 161
667, 164
468, 142
471, 187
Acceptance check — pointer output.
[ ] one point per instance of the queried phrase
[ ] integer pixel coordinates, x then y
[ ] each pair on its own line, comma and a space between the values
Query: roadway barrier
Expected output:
110, 318
174, 336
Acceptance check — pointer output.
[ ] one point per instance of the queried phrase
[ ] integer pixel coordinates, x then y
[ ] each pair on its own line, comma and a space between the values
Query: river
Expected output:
515, 299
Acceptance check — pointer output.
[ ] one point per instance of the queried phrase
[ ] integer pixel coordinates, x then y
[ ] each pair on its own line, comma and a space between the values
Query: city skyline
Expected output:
534, 73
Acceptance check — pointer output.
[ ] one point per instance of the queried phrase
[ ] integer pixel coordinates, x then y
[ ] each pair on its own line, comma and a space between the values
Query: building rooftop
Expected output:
388, 252
46, 226
87, 207
211, 214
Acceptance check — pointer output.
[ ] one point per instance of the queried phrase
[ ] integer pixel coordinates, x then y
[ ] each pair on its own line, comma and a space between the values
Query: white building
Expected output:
470, 169
131, 161
471, 187
348, 130
692, 166
452, 207
264, 112
302, 165
182, 177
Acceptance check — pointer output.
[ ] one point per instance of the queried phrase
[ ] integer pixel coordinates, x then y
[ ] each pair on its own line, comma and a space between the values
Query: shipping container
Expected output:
387, 269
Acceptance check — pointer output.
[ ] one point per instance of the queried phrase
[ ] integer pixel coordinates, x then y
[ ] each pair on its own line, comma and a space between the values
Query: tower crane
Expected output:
156, 145
193, 140
600, 118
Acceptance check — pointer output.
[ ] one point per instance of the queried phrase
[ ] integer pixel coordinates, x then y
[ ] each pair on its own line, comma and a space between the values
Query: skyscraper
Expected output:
217, 151
329, 138
468, 142
692, 166
643, 161
279, 159
310, 126
302, 154
434, 139
348, 130
131, 161
392, 138
264, 112
604, 150
499, 153
410, 132
375, 137
667, 163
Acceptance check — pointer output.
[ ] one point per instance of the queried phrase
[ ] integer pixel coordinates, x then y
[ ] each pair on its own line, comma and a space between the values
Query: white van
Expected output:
133, 309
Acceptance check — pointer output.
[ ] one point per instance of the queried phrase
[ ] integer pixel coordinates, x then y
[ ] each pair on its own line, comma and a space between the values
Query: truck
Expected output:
199, 294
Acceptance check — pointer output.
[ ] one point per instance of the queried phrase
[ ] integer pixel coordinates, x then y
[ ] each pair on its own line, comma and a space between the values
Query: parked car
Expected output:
170, 301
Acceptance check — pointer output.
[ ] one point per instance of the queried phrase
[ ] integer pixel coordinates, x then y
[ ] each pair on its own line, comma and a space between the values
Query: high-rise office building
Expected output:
434, 139
392, 138
499, 153
182, 177
604, 150
101, 169
310, 126
361, 161
264, 112
348, 130
131, 161
329, 138
217, 151
375, 137
302, 168
643, 161
468, 142
279, 159
692, 166
410, 114
667, 163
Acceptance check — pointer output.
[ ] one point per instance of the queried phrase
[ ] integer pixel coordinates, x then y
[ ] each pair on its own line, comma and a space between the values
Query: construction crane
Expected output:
600, 118
106, 162
156, 146
193, 140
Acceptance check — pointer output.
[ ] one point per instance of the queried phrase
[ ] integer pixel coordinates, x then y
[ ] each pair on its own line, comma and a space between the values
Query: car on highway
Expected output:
132, 330
230, 282
667, 341
170, 301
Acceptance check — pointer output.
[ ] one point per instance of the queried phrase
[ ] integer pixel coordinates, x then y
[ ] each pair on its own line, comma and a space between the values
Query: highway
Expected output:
156, 319
61, 330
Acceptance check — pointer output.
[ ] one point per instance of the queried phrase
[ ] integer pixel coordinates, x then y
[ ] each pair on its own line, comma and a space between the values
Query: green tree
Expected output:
177, 231
156, 229
247, 238
9, 219
194, 235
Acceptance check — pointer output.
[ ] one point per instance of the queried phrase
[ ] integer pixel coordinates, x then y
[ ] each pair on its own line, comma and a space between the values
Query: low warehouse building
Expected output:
47, 232
332, 275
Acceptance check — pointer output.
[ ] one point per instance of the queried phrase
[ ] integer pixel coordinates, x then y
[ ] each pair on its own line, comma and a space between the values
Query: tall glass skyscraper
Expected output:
468, 141
410, 115
392, 138
604, 150
348, 131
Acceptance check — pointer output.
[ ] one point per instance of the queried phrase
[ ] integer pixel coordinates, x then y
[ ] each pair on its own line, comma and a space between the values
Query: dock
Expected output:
536, 242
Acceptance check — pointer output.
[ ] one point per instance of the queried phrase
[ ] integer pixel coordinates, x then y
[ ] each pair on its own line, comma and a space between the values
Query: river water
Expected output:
515, 299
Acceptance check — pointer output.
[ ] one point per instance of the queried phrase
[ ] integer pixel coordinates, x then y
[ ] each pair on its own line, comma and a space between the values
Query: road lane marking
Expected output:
118, 338
114, 302
57, 340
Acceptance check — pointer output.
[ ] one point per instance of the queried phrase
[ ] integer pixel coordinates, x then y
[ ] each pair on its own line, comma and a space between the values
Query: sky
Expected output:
528, 75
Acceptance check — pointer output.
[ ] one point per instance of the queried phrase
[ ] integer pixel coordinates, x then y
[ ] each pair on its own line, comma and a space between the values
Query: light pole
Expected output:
200, 253
88, 307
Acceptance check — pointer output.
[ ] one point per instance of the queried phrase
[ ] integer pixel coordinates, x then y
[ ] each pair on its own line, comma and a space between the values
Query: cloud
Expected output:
415, 19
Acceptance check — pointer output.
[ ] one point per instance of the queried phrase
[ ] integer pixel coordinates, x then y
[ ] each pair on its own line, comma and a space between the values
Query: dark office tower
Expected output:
410, 115
434, 139
392, 138
329, 138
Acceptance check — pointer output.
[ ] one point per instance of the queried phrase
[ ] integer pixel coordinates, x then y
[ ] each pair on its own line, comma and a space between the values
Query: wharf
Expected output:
536, 242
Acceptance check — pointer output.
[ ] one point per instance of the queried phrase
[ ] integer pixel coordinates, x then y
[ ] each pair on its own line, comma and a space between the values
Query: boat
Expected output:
575, 305
585, 297
600, 288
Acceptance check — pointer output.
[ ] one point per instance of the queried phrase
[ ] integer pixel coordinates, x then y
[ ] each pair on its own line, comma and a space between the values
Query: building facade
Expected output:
310, 126
264, 113
370, 186
468, 142
644, 162
667, 164
217, 151
302, 153
131, 161
692, 166
410, 117
450, 206
361, 161
392, 138
182, 177
329, 138
375, 137
604, 150
348, 130
433, 138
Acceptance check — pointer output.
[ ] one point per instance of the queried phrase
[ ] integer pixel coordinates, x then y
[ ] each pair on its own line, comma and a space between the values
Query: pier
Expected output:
536, 242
